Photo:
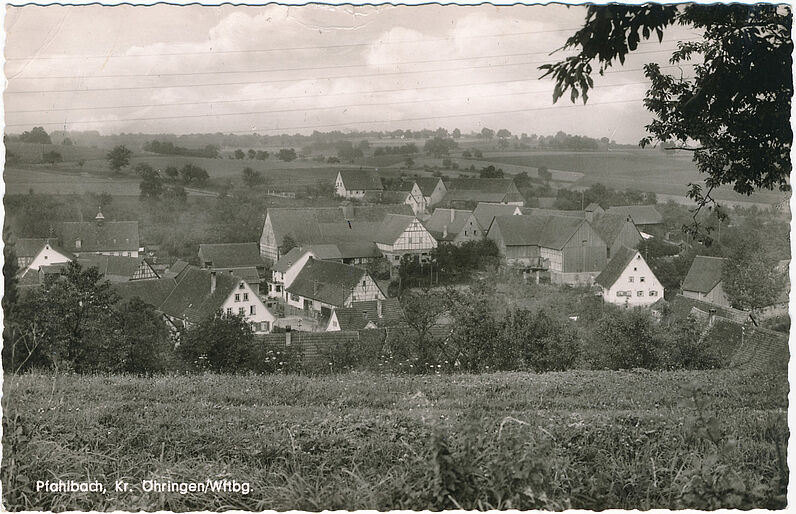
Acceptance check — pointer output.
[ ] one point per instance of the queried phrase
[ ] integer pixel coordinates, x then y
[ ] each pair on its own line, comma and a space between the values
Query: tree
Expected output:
503, 133
750, 275
36, 135
252, 177
10, 271
119, 157
151, 184
738, 121
221, 343
287, 154
239, 154
175, 192
439, 146
193, 174
457, 133
491, 172
252, 154
346, 151
544, 173
487, 133
51, 157
171, 172
144, 344
262, 155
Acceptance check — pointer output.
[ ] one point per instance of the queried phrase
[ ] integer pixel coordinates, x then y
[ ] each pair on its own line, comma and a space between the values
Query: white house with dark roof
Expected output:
288, 267
26, 249
454, 226
357, 183
48, 255
366, 315
101, 237
401, 235
408, 192
627, 280
322, 286
704, 281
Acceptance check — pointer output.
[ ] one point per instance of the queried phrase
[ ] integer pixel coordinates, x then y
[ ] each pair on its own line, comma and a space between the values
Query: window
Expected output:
251, 310
334, 324
635, 269
241, 285
397, 257
639, 293
241, 311
364, 282
653, 293
237, 297
229, 311
246, 296
264, 326
78, 243
630, 279
641, 279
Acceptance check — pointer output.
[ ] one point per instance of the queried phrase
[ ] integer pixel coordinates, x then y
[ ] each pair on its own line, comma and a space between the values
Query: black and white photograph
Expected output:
396, 257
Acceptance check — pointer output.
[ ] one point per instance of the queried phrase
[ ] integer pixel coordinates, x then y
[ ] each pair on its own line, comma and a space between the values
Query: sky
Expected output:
294, 69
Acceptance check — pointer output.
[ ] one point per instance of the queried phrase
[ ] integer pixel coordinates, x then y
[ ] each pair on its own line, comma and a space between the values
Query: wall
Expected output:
471, 231
268, 244
261, 312
716, 296
631, 280
46, 257
593, 253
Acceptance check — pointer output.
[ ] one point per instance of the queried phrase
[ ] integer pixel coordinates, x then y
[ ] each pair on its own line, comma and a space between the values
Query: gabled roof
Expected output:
192, 300
231, 255
681, 307
391, 311
28, 247
331, 225
593, 207
393, 196
112, 265
609, 226
641, 214
349, 318
392, 227
427, 185
485, 212
704, 274
543, 231
619, 263
249, 274
326, 281
441, 219
483, 185
402, 185
361, 180
108, 236
178, 267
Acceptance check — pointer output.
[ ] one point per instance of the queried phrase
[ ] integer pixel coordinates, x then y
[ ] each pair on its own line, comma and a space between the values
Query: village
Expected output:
321, 273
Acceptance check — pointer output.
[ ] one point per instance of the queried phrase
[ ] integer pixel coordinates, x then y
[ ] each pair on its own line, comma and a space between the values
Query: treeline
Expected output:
568, 200
168, 148
407, 149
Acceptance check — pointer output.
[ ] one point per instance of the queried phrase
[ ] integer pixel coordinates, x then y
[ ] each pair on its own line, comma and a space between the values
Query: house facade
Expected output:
402, 235
101, 237
628, 281
433, 190
617, 231
454, 226
286, 269
49, 255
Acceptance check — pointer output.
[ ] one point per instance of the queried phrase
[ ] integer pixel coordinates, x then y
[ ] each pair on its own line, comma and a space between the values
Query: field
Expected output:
584, 439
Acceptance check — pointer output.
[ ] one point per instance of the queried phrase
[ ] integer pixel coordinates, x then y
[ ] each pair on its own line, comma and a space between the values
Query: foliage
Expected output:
750, 276
51, 157
175, 192
252, 177
487, 133
567, 199
287, 154
456, 260
544, 173
143, 340
288, 243
192, 174
739, 122
407, 149
171, 172
240, 154
346, 151
119, 157
151, 184
168, 148
439, 146
219, 343
491, 172
36, 135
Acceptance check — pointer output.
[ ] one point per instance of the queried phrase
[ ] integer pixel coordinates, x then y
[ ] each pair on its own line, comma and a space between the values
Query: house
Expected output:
322, 286
433, 189
357, 183
593, 211
468, 192
408, 192
240, 259
704, 281
100, 237
366, 315
48, 255
287, 268
351, 228
628, 281
681, 307
26, 249
197, 294
617, 231
569, 248
401, 235
119, 269
484, 213
645, 217
537, 211
454, 226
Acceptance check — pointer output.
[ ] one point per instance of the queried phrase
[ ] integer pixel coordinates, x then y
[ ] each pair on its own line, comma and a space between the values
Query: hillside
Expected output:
589, 440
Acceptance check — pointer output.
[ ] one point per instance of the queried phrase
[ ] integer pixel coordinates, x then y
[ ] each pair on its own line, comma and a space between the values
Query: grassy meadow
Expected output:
580, 439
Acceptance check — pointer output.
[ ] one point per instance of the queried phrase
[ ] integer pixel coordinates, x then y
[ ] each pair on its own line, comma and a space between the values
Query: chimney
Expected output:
212, 282
288, 335
444, 231
711, 317
453, 215
378, 308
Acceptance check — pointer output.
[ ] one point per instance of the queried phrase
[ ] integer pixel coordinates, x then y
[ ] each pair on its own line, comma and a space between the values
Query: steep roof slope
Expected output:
544, 231
609, 226
28, 247
392, 227
231, 255
704, 274
610, 274
427, 185
641, 214
536, 211
485, 212
105, 236
361, 180
326, 281
192, 299
154, 292
111, 264
441, 219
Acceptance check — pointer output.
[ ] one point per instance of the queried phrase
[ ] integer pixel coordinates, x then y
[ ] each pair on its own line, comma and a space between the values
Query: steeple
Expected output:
99, 218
